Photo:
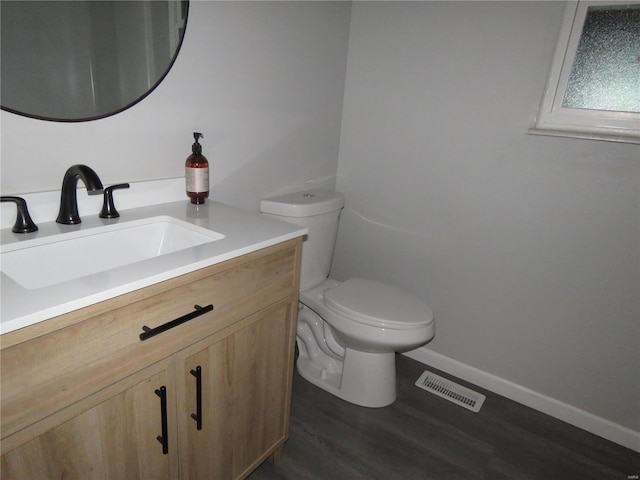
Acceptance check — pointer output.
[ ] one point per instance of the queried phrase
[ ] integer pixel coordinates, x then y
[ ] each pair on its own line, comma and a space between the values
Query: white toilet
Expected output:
348, 332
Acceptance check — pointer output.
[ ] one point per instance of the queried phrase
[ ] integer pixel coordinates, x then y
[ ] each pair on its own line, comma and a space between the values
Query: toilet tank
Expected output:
319, 211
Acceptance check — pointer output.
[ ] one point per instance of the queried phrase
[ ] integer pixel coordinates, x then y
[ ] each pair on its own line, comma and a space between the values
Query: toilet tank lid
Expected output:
303, 204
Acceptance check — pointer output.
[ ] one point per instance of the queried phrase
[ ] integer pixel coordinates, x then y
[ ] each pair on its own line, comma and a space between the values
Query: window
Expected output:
593, 89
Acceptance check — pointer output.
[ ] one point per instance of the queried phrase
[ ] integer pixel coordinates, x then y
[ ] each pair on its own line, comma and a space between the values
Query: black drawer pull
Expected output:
150, 332
198, 415
163, 439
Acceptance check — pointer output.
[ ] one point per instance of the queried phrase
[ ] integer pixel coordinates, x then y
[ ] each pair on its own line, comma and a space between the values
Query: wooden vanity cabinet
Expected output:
82, 398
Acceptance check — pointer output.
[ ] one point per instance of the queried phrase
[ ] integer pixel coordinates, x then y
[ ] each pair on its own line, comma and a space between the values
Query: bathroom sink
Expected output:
47, 261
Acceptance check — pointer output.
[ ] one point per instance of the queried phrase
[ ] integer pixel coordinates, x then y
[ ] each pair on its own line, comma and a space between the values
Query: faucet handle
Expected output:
23, 224
108, 208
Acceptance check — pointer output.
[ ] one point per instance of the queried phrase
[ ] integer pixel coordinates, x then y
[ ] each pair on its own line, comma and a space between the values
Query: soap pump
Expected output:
197, 173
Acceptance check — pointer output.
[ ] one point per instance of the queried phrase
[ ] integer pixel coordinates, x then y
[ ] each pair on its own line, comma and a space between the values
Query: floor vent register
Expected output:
451, 391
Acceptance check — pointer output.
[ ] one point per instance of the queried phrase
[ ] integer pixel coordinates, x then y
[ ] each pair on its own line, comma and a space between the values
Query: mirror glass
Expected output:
82, 60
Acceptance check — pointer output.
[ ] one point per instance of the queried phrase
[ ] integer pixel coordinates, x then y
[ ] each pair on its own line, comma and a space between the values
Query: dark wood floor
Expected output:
422, 436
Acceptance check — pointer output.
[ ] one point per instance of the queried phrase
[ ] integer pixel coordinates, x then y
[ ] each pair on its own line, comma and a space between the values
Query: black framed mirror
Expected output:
81, 60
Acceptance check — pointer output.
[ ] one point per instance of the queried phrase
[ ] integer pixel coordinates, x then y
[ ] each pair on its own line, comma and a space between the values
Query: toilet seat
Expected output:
377, 304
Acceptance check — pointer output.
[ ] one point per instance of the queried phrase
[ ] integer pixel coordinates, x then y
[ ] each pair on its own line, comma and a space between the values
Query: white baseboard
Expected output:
591, 423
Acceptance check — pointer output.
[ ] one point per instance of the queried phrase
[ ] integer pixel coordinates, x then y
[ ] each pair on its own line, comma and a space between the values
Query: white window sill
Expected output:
585, 135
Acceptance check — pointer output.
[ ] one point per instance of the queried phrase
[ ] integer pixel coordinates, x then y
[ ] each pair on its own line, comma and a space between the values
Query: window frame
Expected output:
552, 117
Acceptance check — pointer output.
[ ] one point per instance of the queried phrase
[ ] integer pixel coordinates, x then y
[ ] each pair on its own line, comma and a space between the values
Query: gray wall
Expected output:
526, 247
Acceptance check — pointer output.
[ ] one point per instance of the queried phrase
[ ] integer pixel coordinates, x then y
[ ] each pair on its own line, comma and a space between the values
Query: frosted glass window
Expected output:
606, 68
593, 89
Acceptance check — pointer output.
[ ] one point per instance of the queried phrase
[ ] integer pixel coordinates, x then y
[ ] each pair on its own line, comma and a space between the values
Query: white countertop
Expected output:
243, 231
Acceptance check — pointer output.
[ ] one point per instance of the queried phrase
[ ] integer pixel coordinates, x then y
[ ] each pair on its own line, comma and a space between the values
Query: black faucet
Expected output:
23, 224
68, 214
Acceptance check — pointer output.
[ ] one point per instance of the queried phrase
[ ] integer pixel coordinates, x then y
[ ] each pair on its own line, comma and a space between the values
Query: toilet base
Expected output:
367, 379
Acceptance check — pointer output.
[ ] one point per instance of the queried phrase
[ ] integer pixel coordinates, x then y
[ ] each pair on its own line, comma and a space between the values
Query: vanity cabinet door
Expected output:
114, 440
245, 397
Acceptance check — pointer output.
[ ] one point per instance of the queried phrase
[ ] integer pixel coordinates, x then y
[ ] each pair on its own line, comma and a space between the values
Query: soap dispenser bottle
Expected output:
197, 173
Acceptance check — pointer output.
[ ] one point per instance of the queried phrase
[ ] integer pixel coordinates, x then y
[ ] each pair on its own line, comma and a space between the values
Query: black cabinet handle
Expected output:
198, 415
150, 332
164, 438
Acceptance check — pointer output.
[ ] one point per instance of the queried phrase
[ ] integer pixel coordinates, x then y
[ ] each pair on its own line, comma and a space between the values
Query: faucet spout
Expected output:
68, 214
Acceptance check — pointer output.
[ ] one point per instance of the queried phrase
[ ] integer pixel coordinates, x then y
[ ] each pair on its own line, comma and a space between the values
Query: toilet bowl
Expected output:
347, 332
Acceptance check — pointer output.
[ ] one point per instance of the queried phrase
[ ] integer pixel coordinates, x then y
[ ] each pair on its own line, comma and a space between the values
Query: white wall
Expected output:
526, 247
263, 81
